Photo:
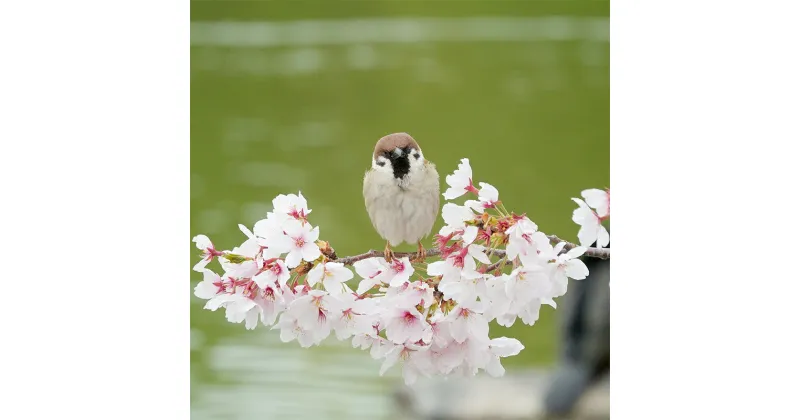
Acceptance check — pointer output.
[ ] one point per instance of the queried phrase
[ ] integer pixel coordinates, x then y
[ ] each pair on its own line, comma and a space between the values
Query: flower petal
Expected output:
391, 359
452, 193
315, 275
587, 235
367, 284
202, 242
470, 233
437, 268
488, 192
201, 265
313, 235
602, 237
293, 258
477, 252
310, 251
598, 200
504, 346
332, 285
456, 215
576, 252
494, 368
576, 269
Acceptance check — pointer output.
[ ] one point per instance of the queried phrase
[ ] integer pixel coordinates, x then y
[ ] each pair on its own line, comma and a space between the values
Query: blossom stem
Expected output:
601, 253
498, 264
499, 211
503, 207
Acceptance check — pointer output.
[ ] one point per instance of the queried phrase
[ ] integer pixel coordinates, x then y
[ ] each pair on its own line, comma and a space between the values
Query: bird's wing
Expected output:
431, 167
367, 173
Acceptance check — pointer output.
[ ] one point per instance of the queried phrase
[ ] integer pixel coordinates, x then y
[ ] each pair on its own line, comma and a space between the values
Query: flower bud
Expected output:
326, 249
235, 258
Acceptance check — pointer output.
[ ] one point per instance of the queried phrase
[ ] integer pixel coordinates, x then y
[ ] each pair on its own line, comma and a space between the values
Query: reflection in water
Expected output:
282, 107
260, 377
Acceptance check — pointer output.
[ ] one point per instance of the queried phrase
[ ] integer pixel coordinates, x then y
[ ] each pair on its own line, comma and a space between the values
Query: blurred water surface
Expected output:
286, 99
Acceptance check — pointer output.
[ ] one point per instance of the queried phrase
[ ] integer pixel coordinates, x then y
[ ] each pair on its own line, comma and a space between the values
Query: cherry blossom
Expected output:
599, 200
211, 285
416, 361
370, 270
455, 218
292, 330
331, 275
406, 324
356, 317
209, 252
501, 347
397, 272
243, 260
377, 271
567, 265
493, 266
299, 243
411, 294
456, 267
271, 302
522, 239
488, 197
269, 232
313, 312
273, 272
294, 206
591, 225
460, 181
238, 308
466, 320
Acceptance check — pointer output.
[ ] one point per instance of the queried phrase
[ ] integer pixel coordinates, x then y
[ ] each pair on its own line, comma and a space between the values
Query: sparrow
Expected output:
401, 193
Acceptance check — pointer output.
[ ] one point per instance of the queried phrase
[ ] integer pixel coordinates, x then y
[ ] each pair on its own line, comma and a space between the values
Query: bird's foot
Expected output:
421, 255
388, 254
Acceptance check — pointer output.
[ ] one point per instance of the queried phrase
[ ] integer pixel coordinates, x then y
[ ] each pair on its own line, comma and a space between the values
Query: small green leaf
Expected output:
235, 258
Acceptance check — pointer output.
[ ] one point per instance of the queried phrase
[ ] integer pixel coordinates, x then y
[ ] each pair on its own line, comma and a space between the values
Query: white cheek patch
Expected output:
381, 163
415, 157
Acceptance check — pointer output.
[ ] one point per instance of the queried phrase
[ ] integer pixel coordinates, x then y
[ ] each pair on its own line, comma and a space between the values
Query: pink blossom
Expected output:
406, 325
299, 243
209, 252
460, 181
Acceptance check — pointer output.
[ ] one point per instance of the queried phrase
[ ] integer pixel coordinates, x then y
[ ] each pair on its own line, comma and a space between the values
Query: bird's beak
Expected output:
398, 151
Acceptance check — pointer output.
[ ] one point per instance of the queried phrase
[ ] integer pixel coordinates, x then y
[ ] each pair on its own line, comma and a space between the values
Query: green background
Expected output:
532, 116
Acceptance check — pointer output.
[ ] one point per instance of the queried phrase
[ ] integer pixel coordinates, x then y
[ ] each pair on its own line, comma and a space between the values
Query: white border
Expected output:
704, 167
95, 210
95, 213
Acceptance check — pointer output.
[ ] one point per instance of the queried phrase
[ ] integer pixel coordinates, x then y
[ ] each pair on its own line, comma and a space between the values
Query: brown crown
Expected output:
389, 142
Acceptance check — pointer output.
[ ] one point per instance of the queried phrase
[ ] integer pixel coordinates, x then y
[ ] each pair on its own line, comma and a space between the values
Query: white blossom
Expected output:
488, 197
434, 325
331, 275
591, 227
299, 243
460, 181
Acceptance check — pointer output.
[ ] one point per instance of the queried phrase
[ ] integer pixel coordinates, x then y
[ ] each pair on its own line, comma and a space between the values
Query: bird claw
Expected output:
421, 254
388, 254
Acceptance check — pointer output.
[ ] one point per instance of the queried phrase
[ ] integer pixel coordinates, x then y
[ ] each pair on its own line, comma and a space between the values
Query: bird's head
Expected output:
397, 154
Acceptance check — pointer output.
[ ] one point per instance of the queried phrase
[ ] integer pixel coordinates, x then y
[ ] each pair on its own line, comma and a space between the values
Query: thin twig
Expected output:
602, 253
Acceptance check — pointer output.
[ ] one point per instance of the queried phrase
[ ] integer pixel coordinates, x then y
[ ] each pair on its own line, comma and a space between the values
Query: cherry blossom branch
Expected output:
601, 253
285, 277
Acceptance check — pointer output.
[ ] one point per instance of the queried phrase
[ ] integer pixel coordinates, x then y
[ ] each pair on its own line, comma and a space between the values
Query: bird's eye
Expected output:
381, 163
416, 155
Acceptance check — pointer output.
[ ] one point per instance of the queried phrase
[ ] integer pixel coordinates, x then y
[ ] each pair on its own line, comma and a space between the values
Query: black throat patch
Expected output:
400, 163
